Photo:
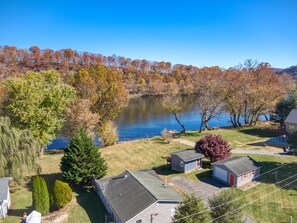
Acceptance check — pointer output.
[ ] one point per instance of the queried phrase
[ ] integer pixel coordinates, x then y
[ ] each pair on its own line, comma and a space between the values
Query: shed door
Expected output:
220, 173
231, 179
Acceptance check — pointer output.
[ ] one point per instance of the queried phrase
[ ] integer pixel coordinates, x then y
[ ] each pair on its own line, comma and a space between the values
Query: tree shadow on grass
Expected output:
261, 132
91, 203
159, 140
278, 175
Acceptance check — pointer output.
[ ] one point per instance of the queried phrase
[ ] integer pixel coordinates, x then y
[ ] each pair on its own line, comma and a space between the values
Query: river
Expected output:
145, 117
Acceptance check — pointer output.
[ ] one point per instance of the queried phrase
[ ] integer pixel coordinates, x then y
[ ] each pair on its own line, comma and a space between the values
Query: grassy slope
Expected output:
241, 138
147, 154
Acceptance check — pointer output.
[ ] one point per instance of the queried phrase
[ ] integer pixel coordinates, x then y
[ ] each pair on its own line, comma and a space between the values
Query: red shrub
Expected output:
213, 147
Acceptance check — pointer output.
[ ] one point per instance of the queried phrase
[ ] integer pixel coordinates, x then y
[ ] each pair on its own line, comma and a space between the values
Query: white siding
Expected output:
156, 213
220, 174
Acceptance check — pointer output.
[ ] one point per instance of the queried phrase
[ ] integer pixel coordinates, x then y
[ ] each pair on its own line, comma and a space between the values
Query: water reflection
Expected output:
145, 117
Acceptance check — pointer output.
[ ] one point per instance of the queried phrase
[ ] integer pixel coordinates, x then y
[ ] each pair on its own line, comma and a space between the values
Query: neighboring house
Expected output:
236, 171
186, 160
4, 196
291, 122
137, 197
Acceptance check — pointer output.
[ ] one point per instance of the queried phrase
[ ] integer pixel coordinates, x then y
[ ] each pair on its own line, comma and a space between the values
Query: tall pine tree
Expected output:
225, 207
82, 160
186, 211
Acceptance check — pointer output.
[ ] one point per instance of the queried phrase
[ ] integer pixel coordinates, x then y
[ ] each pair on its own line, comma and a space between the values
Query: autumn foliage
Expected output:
213, 147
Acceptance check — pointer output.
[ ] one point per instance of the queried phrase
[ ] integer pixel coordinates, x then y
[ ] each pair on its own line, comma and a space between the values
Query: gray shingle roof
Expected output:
133, 191
238, 164
188, 154
4, 184
292, 117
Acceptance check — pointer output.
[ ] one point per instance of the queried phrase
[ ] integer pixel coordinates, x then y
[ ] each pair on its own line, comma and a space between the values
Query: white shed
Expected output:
236, 171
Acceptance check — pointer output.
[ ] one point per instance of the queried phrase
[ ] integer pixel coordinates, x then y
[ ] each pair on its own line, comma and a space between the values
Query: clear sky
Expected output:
197, 32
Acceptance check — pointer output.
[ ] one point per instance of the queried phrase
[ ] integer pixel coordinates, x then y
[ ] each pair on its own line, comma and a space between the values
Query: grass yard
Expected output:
87, 207
247, 137
280, 205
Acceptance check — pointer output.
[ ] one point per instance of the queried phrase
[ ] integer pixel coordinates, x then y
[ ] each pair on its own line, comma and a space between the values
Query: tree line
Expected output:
139, 76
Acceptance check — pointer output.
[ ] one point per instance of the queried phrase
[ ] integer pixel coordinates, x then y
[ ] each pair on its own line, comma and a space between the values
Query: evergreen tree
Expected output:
61, 195
191, 205
18, 151
40, 196
224, 205
82, 160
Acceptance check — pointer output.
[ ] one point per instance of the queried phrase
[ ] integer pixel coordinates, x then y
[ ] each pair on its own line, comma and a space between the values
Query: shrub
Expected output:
293, 142
82, 161
108, 133
61, 195
40, 195
167, 135
213, 147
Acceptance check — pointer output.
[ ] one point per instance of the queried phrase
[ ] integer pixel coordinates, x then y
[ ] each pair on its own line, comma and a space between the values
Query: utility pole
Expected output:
291, 219
276, 175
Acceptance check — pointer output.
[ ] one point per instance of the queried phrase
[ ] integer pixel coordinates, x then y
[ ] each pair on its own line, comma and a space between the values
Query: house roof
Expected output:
133, 191
238, 164
4, 184
188, 154
292, 117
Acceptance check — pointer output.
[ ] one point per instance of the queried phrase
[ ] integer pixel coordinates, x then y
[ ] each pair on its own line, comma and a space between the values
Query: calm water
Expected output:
145, 117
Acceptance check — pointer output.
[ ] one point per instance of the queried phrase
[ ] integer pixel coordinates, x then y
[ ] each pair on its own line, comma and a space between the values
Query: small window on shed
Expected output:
291, 127
181, 164
253, 172
139, 221
244, 176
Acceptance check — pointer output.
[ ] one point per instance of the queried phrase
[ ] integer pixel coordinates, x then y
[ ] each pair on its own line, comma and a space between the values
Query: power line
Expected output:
254, 179
251, 202
209, 209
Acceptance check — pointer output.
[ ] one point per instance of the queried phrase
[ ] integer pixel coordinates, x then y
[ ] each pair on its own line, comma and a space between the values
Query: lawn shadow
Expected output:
90, 202
264, 132
164, 170
159, 140
279, 176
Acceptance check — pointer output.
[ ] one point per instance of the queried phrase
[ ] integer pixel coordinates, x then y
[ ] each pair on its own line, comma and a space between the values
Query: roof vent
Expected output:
164, 185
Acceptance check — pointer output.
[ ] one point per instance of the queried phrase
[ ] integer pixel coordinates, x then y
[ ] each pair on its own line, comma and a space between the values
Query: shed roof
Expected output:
292, 117
188, 154
133, 191
4, 184
238, 164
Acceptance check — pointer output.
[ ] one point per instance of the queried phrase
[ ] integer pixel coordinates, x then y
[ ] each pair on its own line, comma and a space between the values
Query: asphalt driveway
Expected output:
205, 189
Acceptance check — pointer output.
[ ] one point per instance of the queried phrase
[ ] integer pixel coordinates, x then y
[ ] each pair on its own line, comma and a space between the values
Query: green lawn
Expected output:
278, 206
241, 138
148, 153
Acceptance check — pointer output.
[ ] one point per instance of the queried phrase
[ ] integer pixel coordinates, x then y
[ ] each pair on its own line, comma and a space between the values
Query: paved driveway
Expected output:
204, 189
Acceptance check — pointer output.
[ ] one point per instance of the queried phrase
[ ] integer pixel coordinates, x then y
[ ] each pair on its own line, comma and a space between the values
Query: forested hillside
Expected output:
139, 76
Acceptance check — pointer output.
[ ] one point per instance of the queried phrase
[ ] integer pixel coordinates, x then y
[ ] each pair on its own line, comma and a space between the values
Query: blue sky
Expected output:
201, 33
